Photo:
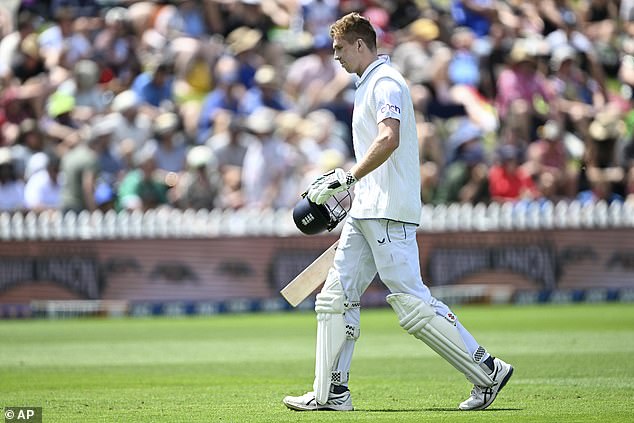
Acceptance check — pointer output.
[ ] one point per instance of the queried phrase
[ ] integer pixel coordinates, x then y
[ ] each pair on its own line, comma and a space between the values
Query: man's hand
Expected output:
329, 184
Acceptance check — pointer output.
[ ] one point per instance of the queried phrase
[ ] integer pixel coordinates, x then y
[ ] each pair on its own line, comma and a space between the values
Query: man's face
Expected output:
66, 25
346, 53
160, 76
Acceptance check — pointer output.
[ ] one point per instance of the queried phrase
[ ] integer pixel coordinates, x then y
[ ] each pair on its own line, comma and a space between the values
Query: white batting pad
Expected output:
331, 335
420, 319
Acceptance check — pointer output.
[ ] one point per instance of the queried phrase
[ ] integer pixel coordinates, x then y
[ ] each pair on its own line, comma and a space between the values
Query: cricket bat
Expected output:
310, 278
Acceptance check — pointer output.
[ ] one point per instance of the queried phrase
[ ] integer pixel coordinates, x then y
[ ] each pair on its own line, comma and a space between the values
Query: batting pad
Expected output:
331, 335
420, 319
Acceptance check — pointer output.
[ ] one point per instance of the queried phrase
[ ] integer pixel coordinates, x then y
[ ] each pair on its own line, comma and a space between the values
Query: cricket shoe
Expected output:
483, 396
338, 400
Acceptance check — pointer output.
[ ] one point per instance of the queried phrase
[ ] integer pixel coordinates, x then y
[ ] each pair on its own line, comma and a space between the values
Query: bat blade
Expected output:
310, 278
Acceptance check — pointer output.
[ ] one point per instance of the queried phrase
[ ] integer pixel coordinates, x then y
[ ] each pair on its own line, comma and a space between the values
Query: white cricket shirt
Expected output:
391, 191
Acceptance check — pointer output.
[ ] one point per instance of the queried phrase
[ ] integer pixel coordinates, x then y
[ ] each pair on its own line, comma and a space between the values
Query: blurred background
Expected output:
151, 151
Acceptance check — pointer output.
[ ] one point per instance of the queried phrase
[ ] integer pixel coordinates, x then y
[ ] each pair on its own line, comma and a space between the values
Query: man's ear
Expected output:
358, 44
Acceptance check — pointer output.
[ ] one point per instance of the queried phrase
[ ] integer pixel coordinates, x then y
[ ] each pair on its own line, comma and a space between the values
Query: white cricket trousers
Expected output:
368, 246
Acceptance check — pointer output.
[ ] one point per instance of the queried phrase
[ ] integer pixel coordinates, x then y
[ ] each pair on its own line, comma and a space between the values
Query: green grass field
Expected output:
573, 364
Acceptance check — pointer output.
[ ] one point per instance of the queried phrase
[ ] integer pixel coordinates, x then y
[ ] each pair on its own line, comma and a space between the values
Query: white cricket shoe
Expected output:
483, 396
307, 402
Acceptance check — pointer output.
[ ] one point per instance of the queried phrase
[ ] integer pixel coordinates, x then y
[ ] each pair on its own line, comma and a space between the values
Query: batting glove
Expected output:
329, 184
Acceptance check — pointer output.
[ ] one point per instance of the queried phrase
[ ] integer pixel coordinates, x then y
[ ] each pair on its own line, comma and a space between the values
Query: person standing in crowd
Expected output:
80, 167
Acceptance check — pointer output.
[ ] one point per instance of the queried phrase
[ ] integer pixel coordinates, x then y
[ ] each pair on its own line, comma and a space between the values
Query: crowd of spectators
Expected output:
131, 105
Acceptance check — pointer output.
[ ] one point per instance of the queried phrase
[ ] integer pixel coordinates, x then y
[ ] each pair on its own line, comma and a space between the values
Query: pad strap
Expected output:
339, 377
352, 332
351, 304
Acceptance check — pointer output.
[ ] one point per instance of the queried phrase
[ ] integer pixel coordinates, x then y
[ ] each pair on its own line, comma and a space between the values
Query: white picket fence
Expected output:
174, 223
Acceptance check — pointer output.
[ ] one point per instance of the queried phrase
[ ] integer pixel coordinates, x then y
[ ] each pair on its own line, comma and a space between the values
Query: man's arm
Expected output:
387, 94
381, 149
338, 180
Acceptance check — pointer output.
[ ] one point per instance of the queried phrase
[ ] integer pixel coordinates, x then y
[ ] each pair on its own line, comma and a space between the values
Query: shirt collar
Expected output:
382, 58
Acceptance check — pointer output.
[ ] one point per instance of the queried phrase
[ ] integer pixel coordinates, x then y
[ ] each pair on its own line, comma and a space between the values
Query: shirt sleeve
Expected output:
387, 94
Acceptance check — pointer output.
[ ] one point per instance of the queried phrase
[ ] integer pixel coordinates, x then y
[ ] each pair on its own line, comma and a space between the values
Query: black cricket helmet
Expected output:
312, 218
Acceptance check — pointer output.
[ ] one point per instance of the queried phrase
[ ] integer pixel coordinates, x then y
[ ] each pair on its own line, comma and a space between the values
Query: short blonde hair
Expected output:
352, 27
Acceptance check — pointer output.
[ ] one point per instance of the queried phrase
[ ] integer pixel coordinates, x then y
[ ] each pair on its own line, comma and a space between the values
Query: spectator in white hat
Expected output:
132, 127
171, 149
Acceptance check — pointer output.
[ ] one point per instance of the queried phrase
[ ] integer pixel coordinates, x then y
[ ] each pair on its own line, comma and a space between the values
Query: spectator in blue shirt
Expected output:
601, 189
225, 96
475, 14
266, 92
155, 86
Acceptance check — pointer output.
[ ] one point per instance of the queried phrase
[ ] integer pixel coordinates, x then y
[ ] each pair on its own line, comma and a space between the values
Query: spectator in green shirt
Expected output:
140, 188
